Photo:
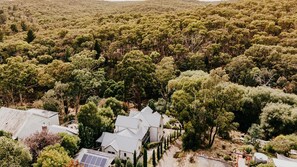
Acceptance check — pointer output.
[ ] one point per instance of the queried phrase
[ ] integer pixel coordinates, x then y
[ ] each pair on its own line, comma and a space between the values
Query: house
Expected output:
121, 146
131, 127
131, 132
151, 120
92, 158
22, 124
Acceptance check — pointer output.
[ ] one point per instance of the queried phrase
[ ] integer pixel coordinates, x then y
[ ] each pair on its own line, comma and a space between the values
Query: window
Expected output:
125, 154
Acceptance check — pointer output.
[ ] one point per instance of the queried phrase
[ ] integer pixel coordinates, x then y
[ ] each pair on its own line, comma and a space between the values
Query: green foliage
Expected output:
53, 156
129, 163
118, 162
134, 158
144, 158
97, 49
154, 159
14, 28
136, 70
158, 153
6, 134
30, 36
282, 144
70, 143
266, 165
227, 158
13, 153
152, 145
277, 114
139, 164
115, 105
92, 123
210, 111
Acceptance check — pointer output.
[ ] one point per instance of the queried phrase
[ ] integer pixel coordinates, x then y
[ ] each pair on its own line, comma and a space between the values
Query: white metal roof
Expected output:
119, 142
127, 122
148, 117
42, 113
138, 135
24, 123
12, 120
61, 129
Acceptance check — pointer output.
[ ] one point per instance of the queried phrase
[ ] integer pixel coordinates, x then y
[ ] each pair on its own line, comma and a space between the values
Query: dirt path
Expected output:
167, 159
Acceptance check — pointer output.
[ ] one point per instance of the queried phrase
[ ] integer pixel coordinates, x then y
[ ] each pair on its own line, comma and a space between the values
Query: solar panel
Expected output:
103, 162
84, 158
93, 160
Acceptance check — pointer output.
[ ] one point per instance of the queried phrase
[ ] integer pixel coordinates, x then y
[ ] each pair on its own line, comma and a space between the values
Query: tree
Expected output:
14, 28
92, 124
24, 26
98, 50
158, 153
129, 163
54, 156
134, 158
136, 70
13, 153
86, 135
17, 77
144, 158
118, 162
205, 104
239, 70
30, 36
276, 114
70, 143
115, 105
6, 134
161, 148
1, 36
37, 141
154, 159
139, 164
165, 71
86, 75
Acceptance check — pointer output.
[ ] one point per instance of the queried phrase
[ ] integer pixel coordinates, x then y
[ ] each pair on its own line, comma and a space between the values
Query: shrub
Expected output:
227, 158
282, 144
152, 145
248, 149
265, 165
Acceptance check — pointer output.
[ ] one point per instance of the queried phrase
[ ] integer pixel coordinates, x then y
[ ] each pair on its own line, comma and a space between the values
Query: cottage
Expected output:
131, 132
122, 146
22, 124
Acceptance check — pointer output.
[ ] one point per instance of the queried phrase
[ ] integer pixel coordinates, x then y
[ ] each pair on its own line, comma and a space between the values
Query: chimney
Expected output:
44, 127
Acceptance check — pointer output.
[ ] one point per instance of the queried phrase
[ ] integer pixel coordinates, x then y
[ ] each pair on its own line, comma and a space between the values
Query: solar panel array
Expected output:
93, 161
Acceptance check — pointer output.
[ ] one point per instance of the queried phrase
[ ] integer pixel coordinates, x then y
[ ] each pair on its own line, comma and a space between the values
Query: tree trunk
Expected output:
77, 103
65, 102
21, 98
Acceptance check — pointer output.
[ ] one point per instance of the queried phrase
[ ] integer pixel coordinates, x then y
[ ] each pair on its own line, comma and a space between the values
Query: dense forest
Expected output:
215, 67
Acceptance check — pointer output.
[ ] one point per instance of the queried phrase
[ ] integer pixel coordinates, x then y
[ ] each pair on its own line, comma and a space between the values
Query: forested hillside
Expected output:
237, 61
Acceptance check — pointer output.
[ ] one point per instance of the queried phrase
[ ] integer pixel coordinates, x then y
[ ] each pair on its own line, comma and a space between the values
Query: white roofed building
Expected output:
92, 158
23, 123
131, 132
121, 146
